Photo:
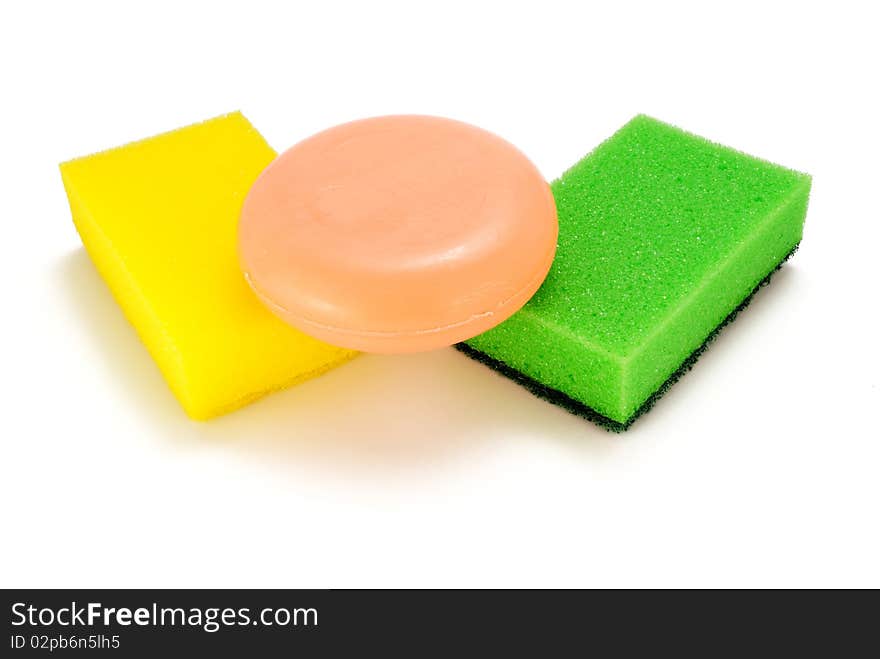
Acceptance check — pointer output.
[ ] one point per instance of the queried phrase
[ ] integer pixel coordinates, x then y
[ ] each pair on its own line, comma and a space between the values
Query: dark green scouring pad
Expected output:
663, 238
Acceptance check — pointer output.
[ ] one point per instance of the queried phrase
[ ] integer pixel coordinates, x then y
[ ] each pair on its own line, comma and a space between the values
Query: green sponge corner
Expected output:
663, 238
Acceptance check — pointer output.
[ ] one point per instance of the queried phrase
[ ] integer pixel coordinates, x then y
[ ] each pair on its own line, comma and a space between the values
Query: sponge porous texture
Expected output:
662, 235
158, 219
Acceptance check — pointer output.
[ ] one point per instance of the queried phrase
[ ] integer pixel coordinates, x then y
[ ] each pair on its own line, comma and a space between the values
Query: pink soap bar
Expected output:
398, 234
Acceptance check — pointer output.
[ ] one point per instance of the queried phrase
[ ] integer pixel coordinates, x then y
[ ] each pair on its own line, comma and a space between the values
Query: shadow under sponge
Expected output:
663, 237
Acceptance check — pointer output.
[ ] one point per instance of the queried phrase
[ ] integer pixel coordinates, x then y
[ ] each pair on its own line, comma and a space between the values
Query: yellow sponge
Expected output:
159, 220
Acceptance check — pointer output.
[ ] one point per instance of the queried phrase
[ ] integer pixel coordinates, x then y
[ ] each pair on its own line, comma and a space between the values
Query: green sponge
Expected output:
663, 237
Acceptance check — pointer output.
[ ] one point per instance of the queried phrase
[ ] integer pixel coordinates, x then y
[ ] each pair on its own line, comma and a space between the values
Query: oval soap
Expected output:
398, 234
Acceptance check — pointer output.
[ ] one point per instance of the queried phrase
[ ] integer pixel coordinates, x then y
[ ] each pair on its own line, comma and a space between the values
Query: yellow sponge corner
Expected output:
159, 218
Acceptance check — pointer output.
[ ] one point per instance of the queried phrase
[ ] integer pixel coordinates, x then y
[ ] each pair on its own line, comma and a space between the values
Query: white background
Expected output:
760, 468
